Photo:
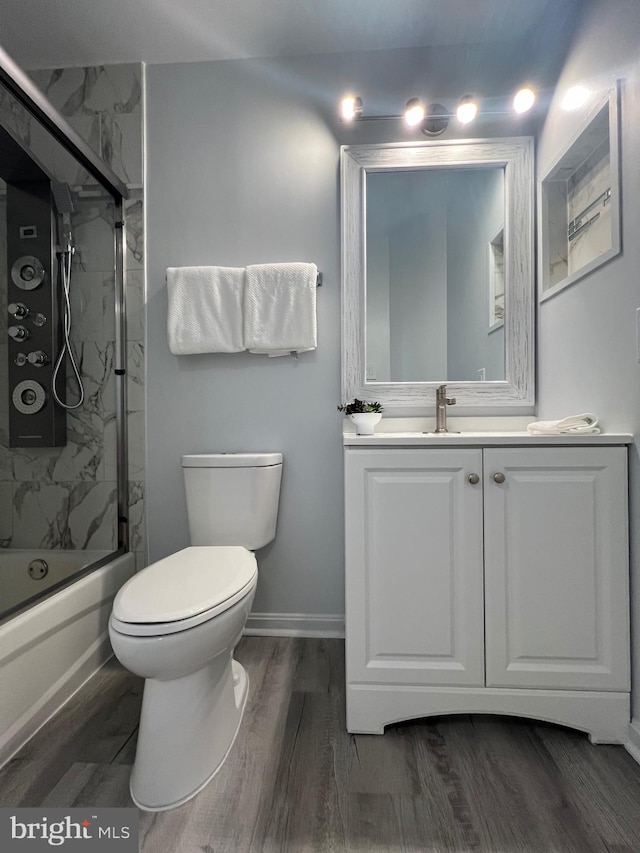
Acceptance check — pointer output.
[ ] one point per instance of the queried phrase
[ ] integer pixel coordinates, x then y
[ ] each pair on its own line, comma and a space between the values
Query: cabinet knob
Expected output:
473, 479
499, 477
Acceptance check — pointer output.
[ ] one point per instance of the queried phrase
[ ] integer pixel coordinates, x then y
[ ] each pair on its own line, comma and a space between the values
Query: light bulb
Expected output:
414, 112
575, 97
524, 99
466, 110
351, 107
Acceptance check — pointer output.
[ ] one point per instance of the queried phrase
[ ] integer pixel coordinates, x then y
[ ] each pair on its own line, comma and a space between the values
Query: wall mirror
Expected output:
437, 272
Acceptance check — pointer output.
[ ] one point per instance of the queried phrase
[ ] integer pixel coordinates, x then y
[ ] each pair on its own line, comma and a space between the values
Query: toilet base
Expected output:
187, 730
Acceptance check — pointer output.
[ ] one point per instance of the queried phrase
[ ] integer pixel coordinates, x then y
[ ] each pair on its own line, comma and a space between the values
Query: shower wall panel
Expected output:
66, 497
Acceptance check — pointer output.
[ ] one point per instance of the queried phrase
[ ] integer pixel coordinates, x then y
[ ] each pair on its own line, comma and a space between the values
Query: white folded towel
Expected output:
584, 424
205, 309
280, 308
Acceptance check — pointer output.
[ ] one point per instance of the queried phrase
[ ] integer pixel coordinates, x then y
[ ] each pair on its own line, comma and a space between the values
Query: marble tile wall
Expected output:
65, 497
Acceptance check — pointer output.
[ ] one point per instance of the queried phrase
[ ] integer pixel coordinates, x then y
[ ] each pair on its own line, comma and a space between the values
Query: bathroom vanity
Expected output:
487, 572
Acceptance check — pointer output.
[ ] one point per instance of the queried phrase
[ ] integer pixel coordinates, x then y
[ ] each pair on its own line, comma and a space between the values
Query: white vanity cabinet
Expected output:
487, 579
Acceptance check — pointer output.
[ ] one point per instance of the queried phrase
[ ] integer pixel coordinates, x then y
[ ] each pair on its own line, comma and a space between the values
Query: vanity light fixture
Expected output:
433, 119
523, 100
575, 97
351, 107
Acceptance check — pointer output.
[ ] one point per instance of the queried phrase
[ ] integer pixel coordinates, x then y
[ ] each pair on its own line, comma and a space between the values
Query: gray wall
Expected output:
242, 171
242, 167
587, 333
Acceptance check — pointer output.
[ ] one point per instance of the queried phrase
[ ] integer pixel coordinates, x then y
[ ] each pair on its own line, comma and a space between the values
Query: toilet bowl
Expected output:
177, 622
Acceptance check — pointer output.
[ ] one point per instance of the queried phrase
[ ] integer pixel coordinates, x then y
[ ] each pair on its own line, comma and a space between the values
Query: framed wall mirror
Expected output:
437, 276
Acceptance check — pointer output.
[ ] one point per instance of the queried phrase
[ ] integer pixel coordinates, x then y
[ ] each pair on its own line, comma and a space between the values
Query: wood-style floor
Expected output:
295, 781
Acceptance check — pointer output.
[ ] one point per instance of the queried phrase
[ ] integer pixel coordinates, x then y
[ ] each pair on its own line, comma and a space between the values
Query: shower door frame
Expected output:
24, 91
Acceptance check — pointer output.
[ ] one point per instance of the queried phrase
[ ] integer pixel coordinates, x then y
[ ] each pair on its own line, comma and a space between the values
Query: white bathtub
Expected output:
18, 587
48, 651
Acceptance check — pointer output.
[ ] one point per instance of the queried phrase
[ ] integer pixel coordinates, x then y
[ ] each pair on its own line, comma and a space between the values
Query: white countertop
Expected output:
480, 439
473, 432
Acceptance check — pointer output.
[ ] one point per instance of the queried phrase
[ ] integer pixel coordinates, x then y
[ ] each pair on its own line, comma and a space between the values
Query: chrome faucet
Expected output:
442, 401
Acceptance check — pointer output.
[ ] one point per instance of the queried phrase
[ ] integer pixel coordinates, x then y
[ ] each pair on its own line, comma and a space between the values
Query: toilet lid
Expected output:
231, 460
185, 584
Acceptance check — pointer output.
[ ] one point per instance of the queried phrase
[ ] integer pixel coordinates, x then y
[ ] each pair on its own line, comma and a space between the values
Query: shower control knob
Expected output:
20, 360
18, 310
27, 273
39, 320
37, 358
18, 333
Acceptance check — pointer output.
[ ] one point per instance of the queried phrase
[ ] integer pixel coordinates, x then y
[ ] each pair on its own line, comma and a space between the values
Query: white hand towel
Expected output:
205, 309
584, 424
280, 308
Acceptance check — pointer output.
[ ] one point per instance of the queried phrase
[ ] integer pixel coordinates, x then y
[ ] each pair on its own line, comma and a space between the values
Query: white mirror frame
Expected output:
517, 391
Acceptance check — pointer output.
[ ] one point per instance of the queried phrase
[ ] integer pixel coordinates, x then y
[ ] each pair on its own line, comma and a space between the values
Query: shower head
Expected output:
62, 197
64, 205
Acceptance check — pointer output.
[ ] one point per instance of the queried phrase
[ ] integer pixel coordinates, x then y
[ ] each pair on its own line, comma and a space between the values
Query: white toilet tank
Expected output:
232, 498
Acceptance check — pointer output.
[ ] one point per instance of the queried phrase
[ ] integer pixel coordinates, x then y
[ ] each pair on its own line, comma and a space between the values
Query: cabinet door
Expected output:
414, 603
556, 568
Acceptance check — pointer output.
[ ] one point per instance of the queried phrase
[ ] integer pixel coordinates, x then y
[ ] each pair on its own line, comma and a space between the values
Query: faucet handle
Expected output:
441, 396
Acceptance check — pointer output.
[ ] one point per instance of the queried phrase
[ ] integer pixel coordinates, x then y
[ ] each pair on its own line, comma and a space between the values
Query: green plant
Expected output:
359, 406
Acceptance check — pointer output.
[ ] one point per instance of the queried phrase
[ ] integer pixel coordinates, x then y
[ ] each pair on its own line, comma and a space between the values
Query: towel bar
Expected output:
318, 279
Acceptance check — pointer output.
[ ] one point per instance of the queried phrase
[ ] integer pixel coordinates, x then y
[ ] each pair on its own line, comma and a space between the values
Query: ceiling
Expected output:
54, 33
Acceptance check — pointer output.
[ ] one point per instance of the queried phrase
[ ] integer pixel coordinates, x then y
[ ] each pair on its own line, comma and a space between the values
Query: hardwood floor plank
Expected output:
445, 802
512, 789
383, 765
96, 785
378, 822
602, 781
305, 809
288, 816
319, 668
92, 727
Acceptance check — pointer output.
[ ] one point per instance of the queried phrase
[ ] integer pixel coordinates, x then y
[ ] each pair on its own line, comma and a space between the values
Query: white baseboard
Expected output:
295, 625
633, 744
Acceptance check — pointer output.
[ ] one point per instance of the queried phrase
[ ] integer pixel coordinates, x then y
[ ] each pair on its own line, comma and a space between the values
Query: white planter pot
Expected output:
365, 422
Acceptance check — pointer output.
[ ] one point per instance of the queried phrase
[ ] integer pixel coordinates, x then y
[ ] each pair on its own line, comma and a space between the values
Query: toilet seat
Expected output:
184, 590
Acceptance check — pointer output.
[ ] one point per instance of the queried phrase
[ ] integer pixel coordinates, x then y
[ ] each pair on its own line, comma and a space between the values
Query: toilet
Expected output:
177, 622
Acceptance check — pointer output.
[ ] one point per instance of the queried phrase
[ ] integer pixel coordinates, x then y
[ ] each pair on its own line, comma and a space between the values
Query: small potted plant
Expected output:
364, 414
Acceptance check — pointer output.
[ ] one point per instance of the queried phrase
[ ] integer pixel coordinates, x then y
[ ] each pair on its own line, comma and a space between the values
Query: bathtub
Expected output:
18, 587
49, 650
